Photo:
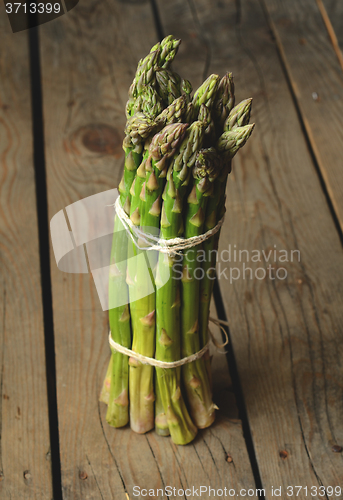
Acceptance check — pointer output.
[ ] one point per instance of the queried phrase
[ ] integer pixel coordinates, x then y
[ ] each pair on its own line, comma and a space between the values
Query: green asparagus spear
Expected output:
195, 376
161, 55
148, 102
205, 94
142, 299
170, 86
185, 158
174, 113
161, 423
137, 130
238, 116
145, 75
168, 342
167, 50
210, 131
229, 144
106, 387
224, 101
119, 316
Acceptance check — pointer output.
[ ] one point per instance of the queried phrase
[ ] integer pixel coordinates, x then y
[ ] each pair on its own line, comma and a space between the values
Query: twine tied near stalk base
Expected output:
146, 360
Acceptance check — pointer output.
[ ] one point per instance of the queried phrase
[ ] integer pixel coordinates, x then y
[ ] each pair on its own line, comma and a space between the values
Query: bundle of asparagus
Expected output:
178, 152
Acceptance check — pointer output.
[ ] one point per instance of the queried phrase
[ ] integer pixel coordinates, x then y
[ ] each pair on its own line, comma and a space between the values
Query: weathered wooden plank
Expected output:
317, 82
85, 88
25, 468
286, 334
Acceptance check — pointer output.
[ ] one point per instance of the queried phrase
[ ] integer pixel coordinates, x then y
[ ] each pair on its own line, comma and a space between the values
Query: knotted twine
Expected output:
173, 246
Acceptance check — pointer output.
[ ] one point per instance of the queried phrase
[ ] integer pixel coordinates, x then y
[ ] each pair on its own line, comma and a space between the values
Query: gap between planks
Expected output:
25, 455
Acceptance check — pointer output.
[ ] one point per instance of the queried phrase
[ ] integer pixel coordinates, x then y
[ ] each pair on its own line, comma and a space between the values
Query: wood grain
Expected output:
25, 467
331, 31
88, 61
286, 333
316, 78
334, 10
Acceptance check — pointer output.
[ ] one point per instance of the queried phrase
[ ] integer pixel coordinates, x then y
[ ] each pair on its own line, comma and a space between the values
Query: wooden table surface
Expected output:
63, 90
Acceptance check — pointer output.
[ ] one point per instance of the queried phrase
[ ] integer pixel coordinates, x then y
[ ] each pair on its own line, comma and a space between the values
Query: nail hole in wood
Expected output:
83, 475
27, 475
